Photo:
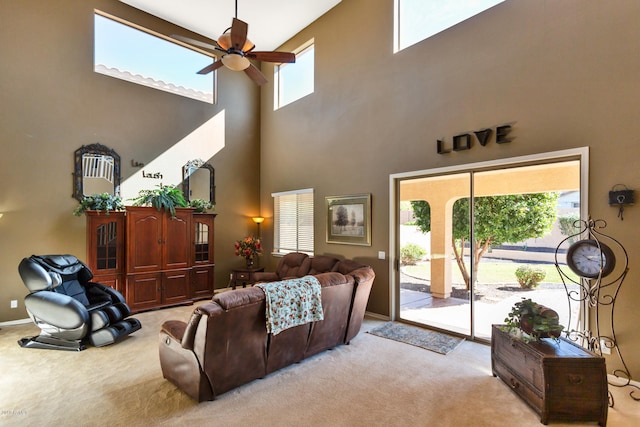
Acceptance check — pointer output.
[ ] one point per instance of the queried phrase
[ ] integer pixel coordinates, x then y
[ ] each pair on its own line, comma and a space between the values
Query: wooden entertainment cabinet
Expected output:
152, 259
560, 380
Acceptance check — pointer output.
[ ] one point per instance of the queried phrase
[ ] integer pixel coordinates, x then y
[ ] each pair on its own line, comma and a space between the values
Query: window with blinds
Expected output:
293, 221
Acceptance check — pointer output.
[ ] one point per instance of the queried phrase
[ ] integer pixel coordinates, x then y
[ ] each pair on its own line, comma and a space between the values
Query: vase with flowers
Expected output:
249, 248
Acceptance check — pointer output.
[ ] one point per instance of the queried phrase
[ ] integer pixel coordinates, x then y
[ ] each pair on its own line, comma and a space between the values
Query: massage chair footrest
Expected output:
115, 332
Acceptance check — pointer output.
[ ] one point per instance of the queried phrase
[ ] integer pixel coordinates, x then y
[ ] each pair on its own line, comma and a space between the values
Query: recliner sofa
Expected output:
225, 343
71, 310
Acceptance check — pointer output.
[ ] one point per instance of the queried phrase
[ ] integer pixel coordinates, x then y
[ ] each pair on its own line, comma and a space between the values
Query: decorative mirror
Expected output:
96, 171
198, 181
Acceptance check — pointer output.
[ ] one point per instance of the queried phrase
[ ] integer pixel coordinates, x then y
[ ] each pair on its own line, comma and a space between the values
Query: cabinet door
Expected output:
105, 242
175, 286
203, 239
202, 282
144, 240
144, 291
176, 240
112, 280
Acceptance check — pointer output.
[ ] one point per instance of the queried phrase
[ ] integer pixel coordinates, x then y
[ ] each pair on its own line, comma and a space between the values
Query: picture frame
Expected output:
349, 219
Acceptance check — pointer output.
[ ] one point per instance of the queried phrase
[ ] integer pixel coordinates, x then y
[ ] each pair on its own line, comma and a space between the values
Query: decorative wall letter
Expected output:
483, 136
462, 142
501, 134
440, 149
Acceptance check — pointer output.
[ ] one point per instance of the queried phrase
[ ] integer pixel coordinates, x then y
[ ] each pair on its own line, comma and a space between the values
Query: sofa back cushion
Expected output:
346, 266
294, 264
323, 264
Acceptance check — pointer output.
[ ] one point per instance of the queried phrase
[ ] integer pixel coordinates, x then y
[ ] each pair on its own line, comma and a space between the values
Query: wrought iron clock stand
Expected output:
598, 293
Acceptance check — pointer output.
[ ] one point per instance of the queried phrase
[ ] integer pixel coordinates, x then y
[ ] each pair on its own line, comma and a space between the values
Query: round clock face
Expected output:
587, 259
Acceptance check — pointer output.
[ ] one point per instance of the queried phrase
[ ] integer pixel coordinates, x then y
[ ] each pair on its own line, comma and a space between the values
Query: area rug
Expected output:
424, 338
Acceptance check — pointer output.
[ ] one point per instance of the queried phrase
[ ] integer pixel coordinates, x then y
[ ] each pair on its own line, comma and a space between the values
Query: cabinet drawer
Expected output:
526, 363
243, 276
571, 380
522, 389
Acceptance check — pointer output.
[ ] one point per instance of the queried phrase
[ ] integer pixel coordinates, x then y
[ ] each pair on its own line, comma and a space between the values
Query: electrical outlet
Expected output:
604, 348
14, 303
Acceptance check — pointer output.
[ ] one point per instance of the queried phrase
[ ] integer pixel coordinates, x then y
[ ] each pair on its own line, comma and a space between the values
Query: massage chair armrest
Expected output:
114, 296
56, 309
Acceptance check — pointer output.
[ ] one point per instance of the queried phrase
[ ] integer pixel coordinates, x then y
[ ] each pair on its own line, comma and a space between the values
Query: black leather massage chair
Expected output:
71, 310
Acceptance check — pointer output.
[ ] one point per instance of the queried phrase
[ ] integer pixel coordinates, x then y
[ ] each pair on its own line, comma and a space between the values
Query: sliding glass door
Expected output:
469, 239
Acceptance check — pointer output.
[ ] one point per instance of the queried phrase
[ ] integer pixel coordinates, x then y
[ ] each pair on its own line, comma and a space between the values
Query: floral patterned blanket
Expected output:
292, 302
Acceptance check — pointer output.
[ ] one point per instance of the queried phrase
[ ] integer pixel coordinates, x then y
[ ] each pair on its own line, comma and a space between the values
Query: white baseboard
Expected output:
621, 381
15, 322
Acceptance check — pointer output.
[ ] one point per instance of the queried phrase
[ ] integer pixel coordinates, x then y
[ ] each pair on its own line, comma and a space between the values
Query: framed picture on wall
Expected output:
349, 219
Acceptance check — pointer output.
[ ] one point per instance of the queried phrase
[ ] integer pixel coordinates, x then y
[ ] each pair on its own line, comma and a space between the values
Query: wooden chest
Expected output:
560, 380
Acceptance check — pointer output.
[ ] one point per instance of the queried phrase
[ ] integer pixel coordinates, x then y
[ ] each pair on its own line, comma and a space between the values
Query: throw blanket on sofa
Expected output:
292, 302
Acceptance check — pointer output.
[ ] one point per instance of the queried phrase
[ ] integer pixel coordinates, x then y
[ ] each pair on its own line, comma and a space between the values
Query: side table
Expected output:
243, 276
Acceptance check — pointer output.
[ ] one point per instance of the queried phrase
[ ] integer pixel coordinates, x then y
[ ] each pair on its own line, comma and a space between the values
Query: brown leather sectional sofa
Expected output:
225, 343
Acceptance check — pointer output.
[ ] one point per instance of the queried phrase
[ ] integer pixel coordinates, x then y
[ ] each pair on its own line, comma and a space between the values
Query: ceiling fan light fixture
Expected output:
235, 62
224, 41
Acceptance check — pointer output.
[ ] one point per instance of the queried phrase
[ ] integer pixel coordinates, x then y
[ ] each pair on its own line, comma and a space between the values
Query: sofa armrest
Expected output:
363, 278
174, 328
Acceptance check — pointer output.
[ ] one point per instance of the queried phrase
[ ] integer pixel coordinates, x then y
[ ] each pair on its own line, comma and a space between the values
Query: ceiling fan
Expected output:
237, 50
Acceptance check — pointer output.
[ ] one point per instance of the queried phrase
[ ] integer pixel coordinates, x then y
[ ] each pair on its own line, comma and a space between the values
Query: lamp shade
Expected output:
224, 41
235, 62
258, 219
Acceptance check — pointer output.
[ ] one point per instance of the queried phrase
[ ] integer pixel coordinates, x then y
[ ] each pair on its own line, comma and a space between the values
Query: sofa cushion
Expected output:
333, 279
294, 264
323, 264
346, 266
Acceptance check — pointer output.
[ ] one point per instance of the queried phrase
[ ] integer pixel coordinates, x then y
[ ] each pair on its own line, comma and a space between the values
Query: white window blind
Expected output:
293, 221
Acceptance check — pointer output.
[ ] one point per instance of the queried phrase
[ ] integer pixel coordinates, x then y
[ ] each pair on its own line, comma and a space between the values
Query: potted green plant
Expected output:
104, 202
200, 205
165, 197
535, 320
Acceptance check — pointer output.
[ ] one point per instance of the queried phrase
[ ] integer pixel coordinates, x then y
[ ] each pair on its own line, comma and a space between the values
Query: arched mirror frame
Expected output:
186, 173
97, 148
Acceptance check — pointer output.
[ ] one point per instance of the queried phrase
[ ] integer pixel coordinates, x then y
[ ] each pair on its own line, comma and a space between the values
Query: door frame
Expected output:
581, 154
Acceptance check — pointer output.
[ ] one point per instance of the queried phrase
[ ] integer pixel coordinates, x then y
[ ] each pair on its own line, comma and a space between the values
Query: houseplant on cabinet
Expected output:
104, 202
200, 205
535, 320
165, 197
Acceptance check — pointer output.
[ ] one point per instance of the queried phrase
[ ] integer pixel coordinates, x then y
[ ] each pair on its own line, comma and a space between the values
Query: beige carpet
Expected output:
371, 382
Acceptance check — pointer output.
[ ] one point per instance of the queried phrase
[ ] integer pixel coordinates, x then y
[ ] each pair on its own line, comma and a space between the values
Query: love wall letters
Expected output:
464, 141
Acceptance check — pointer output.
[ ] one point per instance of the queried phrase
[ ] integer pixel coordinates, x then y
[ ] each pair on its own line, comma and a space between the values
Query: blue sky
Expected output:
128, 49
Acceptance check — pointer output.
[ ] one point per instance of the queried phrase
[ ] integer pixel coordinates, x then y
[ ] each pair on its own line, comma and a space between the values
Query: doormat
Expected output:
424, 338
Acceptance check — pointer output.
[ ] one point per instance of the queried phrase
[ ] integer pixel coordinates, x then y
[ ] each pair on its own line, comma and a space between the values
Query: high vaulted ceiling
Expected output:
271, 22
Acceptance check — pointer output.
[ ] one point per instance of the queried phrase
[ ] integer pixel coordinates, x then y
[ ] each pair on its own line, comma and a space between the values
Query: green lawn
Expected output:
489, 272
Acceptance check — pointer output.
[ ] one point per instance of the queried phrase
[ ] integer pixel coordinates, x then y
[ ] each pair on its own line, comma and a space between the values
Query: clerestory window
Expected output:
129, 52
295, 80
417, 20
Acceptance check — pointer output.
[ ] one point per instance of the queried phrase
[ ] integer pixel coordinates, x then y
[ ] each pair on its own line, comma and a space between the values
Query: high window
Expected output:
294, 81
129, 52
293, 221
416, 20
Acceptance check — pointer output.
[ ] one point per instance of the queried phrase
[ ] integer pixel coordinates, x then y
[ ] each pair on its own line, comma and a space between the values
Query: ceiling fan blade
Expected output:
255, 75
194, 42
238, 33
281, 57
210, 68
